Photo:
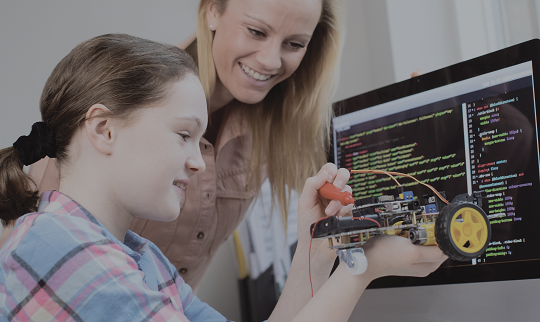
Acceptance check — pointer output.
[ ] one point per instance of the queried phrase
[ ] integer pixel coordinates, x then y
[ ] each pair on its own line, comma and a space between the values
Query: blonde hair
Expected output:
291, 126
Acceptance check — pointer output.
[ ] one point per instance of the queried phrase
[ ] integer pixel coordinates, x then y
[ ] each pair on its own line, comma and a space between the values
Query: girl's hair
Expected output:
291, 126
122, 72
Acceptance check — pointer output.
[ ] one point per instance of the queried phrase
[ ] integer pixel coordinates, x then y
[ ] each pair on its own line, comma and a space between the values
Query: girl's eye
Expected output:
185, 137
256, 32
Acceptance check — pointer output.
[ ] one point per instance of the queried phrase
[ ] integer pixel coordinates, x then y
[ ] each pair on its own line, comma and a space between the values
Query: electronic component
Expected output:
461, 229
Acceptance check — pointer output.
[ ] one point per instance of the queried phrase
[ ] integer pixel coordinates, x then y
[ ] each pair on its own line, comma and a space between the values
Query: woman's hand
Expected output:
417, 72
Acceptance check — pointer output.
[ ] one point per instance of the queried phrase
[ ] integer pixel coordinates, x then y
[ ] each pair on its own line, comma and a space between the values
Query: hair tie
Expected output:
39, 143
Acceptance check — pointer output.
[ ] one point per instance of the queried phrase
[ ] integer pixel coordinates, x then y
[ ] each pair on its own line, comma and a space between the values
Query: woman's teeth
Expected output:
253, 74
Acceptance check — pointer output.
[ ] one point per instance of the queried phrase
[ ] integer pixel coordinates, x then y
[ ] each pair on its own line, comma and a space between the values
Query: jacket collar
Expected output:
234, 125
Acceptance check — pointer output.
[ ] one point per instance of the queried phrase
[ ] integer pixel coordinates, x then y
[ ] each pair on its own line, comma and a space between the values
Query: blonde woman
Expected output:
268, 69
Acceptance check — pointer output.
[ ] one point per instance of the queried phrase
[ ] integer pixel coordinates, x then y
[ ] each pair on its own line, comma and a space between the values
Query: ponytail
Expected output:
18, 192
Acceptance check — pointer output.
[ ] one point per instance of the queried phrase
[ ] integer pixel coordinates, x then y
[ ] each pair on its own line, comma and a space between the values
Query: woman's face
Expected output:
259, 43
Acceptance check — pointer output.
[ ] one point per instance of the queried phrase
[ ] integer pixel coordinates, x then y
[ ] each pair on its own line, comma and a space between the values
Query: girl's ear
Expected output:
212, 16
99, 129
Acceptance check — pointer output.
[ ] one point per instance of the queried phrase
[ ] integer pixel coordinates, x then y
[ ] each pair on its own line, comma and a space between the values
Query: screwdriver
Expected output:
331, 192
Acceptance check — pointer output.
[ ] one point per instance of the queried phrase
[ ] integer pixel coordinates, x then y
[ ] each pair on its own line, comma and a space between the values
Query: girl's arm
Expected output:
335, 298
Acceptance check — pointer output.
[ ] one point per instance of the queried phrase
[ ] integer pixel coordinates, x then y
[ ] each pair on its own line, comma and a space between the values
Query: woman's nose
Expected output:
269, 57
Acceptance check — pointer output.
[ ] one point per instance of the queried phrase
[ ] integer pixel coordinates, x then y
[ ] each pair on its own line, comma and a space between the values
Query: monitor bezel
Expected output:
507, 57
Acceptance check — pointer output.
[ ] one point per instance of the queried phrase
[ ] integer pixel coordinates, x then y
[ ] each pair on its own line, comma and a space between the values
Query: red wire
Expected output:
309, 254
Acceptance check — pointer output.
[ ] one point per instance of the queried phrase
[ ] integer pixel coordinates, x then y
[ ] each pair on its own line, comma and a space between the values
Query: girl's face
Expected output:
259, 43
159, 150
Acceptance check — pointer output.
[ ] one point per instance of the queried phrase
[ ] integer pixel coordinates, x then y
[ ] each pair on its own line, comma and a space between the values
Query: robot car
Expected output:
460, 228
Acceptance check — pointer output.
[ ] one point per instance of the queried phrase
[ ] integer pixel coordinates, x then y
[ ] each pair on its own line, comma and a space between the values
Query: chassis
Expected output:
461, 229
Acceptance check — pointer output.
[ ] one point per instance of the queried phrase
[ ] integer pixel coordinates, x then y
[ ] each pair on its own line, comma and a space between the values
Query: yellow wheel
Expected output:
462, 231
469, 230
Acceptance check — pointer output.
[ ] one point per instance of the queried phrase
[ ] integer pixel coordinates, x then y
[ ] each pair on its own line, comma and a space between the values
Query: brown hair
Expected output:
119, 71
291, 126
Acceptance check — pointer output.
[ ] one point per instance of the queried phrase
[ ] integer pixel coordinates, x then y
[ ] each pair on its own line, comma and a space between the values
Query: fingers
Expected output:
423, 269
336, 208
310, 195
339, 181
341, 178
328, 173
431, 257
331, 169
417, 72
397, 256
430, 254
345, 211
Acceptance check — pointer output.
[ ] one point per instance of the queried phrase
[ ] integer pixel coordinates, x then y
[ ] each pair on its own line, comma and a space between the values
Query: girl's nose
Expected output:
196, 163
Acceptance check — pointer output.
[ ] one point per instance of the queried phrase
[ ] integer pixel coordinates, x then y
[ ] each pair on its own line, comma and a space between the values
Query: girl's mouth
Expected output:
182, 184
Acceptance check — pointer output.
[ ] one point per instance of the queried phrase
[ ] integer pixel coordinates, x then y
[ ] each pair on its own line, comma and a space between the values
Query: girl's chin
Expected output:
169, 216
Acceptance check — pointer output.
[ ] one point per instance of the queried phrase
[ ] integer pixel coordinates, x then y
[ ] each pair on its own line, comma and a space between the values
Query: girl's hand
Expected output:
311, 207
397, 256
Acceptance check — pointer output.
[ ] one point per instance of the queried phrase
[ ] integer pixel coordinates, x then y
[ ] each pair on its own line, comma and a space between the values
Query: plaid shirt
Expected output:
62, 264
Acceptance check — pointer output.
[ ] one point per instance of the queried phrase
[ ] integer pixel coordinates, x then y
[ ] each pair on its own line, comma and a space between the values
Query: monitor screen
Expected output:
472, 135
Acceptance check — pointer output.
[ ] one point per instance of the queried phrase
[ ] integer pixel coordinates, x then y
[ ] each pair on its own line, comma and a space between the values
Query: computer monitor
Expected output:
465, 128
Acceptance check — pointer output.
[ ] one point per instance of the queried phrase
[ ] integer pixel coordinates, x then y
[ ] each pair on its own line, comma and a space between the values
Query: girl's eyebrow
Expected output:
190, 119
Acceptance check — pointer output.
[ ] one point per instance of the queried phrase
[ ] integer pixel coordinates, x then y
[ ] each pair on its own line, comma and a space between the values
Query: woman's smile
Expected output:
255, 74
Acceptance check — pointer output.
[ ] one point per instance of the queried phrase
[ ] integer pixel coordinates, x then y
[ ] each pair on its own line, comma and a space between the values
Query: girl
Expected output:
269, 71
124, 116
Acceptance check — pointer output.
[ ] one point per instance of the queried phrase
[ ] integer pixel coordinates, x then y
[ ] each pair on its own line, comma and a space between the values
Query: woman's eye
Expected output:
256, 32
185, 137
296, 46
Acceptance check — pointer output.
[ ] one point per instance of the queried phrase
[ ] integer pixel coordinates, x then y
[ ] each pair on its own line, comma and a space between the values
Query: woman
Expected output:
268, 69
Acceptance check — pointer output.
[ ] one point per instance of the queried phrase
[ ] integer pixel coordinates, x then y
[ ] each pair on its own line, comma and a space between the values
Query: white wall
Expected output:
36, 35
423, 34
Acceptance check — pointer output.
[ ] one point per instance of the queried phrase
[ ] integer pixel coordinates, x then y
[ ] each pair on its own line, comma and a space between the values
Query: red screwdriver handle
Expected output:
331, 192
